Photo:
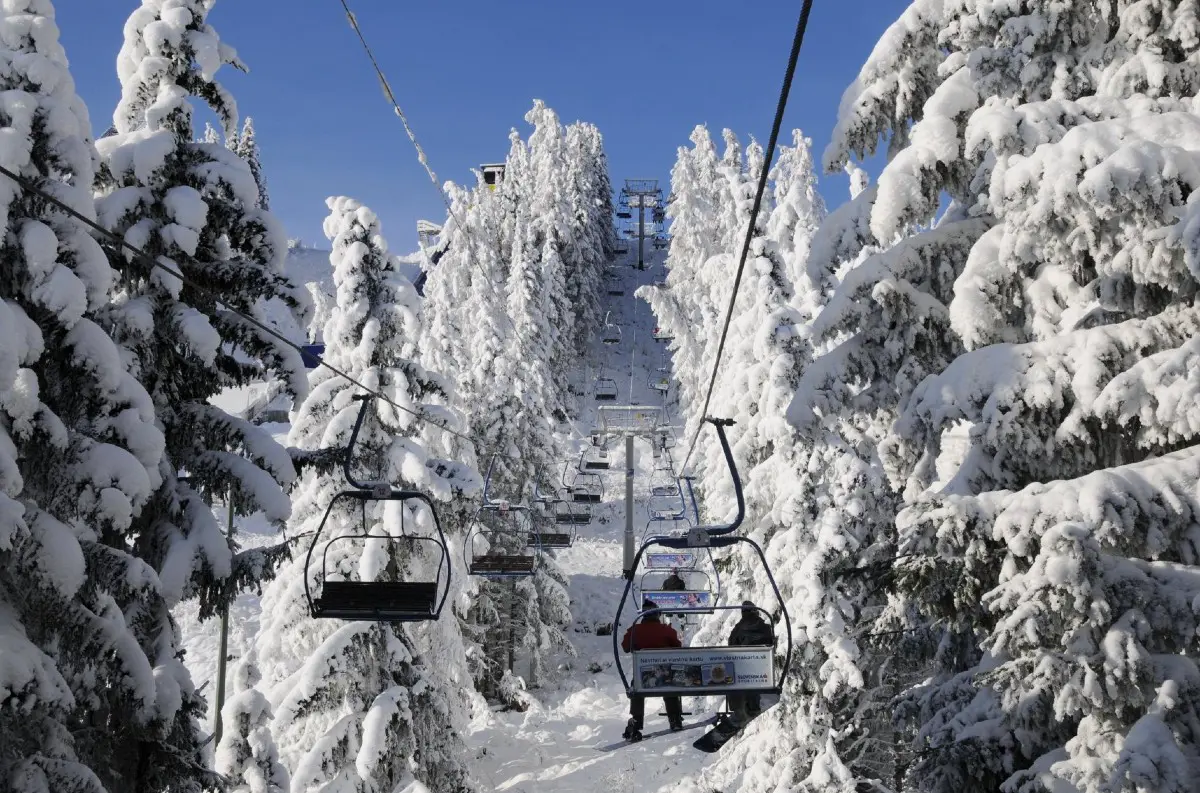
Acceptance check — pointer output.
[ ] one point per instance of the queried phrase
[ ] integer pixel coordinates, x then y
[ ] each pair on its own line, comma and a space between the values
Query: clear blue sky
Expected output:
465, 72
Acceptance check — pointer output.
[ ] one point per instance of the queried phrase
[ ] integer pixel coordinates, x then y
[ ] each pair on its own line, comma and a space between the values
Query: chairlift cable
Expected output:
422, 157
797, 41
146, 258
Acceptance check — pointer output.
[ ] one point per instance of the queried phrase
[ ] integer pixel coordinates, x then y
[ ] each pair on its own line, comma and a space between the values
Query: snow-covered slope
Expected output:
564, 742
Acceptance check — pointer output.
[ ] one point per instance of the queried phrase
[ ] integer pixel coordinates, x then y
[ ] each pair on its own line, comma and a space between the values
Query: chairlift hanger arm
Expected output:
720, 425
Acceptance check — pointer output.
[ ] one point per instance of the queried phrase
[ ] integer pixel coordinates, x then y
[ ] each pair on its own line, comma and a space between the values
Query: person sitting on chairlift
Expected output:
650, 633
750, 631
674, 582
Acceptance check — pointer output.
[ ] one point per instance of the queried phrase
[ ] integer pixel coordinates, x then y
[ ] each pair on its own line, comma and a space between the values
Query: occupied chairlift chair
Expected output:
661, 334
505, 530
705, 671
380, 601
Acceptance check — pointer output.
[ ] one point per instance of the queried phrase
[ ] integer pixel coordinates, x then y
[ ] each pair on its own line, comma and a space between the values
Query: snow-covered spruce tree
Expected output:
247, 755
93, 696
1048, 308
246, 147
678, 302
191, 206
356, 705
591, 241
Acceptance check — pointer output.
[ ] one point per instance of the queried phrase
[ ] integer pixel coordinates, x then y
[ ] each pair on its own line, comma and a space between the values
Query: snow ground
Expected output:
556, 745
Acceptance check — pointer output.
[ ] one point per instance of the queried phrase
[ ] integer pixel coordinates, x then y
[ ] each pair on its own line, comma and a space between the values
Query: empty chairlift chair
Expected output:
594, 458
379, 601
605, 389
613, 284
585, 488
563, 512
544, 536
498, 543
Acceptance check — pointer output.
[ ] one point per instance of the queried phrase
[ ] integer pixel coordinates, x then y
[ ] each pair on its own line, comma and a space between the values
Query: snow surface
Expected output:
555, 745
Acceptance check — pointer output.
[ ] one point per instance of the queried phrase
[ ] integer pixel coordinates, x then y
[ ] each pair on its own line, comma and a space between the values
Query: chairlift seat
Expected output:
573, 518
616, 291
584, 496
661, 385
663, 490
383, 601
502, 565
547, 539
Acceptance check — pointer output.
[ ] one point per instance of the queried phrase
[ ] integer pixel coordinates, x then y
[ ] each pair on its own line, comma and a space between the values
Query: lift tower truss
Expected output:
642, 194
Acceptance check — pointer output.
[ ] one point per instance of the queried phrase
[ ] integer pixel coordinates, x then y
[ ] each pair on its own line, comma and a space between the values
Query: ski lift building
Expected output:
493, 174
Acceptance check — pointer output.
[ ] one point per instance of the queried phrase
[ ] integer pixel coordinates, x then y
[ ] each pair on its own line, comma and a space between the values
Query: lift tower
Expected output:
643, 194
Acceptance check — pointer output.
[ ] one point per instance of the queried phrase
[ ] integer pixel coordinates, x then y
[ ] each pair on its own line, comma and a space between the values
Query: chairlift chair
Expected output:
662, 334
698, 596
497, 543
661, 384
570, 514
605, 389
611, 334
585, 488
544, 535
379, 601
561, 511
705, 671
594, 459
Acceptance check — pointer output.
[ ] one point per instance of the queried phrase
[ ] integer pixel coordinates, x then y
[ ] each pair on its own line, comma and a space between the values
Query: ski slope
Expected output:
560, 745
564, 742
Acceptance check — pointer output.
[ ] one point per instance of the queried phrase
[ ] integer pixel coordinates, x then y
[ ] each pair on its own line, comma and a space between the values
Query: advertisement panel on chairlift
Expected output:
686, 671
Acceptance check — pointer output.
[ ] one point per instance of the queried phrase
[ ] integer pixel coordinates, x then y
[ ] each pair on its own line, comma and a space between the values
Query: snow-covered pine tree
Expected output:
1048, 309
356, 704
246, 147
591, 241
191, 206
677, 303
247, 755
93, 695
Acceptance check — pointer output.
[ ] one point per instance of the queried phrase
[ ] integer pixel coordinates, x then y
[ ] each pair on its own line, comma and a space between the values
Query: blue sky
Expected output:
466, 71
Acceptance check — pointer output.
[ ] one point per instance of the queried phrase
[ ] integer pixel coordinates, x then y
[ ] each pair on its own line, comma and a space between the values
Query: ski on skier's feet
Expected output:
718, 736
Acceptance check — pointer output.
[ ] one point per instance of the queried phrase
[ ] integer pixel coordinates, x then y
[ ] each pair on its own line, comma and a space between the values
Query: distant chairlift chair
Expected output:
497, 545
585, 488
605, 389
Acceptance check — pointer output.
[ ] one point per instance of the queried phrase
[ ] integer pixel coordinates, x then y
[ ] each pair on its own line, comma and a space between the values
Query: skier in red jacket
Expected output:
648, 634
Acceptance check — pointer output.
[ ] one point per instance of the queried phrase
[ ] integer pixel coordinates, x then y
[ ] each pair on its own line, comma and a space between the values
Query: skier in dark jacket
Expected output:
750, 631
647, 634
674, 582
